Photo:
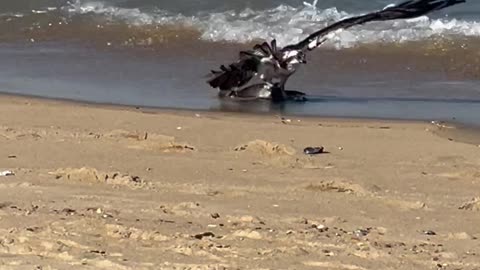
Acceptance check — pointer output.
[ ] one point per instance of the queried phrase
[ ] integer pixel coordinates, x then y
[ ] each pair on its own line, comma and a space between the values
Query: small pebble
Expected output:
322, 228
7, 173
205, 234
284, 120
429, 232
328, 253
313, 150
361, 232
179, 128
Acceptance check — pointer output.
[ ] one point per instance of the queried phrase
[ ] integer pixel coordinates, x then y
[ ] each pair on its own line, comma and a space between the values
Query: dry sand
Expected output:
116, 188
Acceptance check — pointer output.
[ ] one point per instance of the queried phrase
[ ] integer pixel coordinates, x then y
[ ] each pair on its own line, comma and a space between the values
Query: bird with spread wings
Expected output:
264, 71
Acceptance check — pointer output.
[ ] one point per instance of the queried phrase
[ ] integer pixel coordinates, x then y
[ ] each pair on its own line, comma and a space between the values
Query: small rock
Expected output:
340, 148
362, 232
328, 253
101, 252
205, 234
215, 215
313, 150
429, 232
321, 228
211, 226
285, 120
289, 232
7, 173
179, 128
68, 211
304, 221
107, 215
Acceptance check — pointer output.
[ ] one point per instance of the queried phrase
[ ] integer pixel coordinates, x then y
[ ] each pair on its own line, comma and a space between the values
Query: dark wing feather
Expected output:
241, 72
404, 10
236, 74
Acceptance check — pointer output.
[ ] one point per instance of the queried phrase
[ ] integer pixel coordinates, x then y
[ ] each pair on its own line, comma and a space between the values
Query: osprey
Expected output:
264, 71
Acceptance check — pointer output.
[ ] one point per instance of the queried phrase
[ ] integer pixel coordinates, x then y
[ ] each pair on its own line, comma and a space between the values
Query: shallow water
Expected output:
157, 53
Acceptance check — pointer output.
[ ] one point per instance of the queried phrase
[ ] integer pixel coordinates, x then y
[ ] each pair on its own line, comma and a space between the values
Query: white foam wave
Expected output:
286, 24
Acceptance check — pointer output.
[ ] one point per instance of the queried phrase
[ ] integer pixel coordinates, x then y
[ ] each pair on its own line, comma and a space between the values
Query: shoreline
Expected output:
450, 130
396, 93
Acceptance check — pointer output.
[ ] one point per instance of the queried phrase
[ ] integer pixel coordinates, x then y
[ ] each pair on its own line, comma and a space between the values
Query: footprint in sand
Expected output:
123, 232
90, 175
465, 174
337, 186
472, 205
13, 134
276, 154
266, 148
149, 141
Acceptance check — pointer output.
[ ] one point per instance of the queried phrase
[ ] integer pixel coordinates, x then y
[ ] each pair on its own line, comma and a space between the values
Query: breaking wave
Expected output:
285, 23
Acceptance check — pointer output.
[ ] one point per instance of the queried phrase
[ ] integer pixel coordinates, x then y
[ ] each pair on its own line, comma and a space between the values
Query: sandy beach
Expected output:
123, 188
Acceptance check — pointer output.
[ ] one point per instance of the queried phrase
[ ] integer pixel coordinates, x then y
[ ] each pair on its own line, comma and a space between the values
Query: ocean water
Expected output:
157, 53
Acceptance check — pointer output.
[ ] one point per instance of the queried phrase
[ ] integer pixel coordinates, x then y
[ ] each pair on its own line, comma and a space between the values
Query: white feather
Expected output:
289, 54
389, 6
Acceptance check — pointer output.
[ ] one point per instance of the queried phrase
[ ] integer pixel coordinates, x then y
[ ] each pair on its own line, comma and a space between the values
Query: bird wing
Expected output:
241, 72
404, 10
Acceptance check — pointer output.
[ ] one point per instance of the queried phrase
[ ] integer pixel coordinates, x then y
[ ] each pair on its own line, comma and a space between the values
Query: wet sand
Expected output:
117, 188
